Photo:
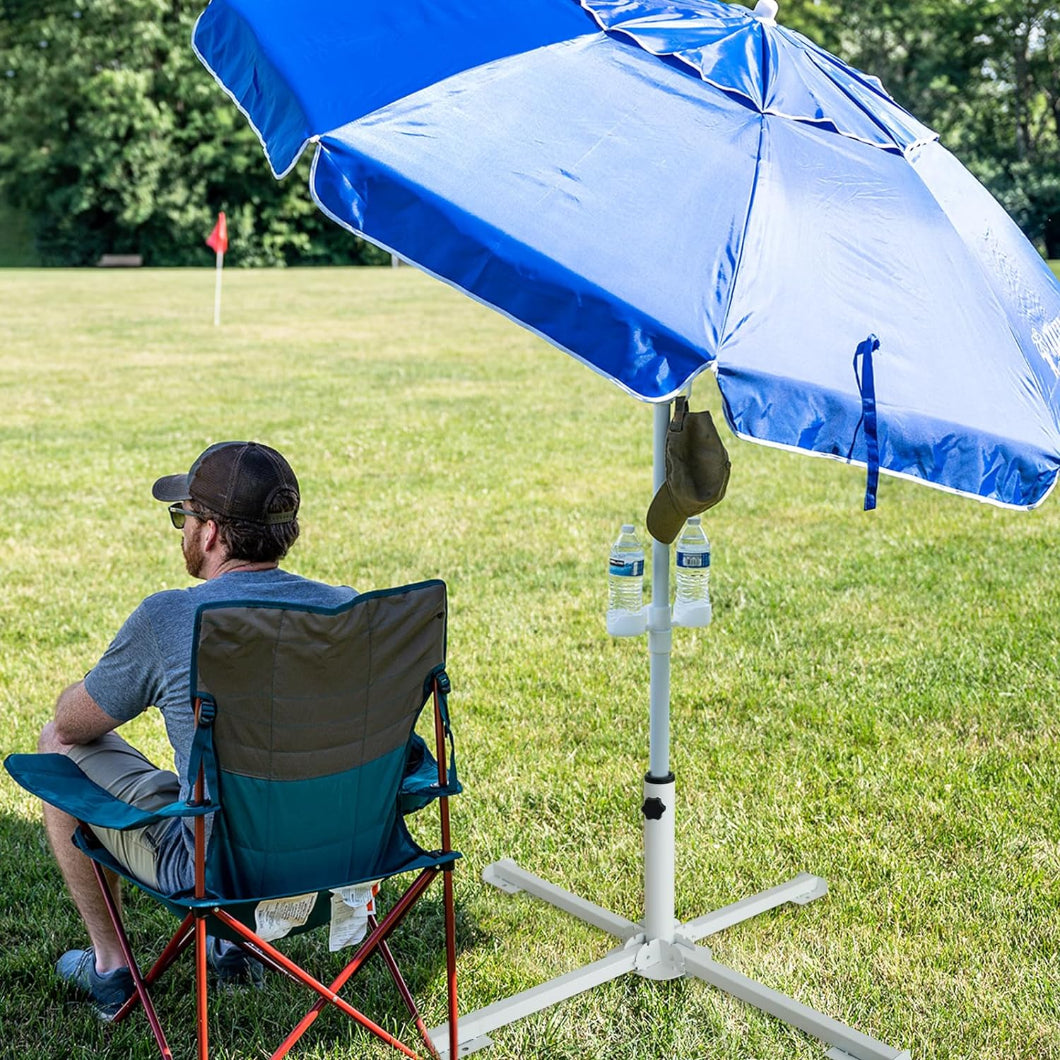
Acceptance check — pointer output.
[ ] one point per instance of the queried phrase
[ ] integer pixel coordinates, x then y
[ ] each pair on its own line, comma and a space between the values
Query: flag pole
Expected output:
217, 241
217, 289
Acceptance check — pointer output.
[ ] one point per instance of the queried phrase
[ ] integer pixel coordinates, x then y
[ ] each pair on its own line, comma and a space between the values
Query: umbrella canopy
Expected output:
664, 187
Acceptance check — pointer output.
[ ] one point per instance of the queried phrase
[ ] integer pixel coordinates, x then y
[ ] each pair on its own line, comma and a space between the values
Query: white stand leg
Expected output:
803, 889
845, 1041
507, 876
475, 1026
657, 958
660, 947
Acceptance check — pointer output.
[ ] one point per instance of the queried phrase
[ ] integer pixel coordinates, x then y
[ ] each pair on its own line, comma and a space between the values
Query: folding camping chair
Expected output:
305, 762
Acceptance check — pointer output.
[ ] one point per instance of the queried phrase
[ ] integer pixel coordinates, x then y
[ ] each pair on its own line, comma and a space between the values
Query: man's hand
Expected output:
79, 719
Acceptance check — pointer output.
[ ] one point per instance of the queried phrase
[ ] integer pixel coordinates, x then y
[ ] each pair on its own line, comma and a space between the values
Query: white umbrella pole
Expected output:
659, 636
659, 947
658, 806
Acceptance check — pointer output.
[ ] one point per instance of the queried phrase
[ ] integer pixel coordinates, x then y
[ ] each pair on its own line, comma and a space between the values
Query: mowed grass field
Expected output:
876, 701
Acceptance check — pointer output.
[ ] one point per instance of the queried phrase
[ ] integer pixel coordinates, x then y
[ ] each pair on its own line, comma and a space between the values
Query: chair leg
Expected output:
378, 935
200, 987
134, 970
306, 979
450, 959
447, 874
406, 994
184, 935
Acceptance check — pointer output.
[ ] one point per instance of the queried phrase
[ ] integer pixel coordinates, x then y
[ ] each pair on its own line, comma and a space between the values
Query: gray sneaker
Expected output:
233, 966
107, 991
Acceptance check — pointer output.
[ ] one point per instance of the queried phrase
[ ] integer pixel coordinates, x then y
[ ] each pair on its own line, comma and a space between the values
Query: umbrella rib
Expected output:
724, 329
813, 57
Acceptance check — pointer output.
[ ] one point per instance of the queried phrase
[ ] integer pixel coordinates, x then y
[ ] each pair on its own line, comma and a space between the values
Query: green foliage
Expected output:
1016, 129
116, 139
16, 240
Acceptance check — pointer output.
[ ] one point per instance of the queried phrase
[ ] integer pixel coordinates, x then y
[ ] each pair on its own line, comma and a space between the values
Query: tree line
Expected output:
114, 139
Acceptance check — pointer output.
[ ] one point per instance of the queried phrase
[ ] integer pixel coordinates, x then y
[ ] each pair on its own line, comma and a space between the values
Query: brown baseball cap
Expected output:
236, 479
697, 472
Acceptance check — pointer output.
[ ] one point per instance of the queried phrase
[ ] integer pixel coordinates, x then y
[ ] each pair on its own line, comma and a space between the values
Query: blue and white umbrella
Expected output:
661, 187
664, 187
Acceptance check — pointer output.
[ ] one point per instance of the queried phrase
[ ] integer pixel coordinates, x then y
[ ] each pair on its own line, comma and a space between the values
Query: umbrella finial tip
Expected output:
766, 10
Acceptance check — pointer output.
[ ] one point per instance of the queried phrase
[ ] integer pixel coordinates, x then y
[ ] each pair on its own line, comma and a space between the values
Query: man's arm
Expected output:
79, 719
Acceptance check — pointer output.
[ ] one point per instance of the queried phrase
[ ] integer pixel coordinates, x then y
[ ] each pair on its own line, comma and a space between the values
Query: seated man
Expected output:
237, 509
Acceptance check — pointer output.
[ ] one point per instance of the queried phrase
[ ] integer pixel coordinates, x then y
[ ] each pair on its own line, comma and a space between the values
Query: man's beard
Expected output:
194, 557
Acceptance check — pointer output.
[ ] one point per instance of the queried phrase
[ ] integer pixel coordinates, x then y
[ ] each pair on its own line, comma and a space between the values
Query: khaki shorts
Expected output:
117, 767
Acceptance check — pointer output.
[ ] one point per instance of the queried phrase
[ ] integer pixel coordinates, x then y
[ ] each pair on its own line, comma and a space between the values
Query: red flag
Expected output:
218, 238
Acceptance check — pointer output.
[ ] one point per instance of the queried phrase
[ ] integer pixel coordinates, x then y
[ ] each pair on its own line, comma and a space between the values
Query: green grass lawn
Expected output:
876, 701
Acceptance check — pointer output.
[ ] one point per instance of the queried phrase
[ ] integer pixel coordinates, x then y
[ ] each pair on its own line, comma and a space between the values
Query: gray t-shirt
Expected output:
148, 662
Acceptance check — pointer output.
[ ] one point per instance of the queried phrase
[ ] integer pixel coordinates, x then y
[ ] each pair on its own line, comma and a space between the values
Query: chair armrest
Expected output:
61, 782
419, 785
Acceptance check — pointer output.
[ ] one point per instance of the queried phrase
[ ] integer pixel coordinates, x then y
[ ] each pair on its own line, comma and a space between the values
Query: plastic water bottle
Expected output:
625, 584
692, 601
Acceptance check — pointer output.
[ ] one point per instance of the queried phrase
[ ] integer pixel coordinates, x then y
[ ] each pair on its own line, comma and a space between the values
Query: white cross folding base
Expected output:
660, 947
654, 957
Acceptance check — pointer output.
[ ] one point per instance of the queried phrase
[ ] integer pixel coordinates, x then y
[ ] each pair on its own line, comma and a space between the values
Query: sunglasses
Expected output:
178, 515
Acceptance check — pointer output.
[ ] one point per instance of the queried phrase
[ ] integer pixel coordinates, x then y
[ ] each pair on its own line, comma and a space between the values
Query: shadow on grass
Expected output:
41, 1018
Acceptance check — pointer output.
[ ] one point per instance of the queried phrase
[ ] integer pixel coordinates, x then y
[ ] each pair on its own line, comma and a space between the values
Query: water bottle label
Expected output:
690, 560
634, 569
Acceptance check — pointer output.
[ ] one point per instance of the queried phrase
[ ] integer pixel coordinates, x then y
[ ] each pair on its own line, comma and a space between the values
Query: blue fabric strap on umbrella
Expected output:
867, 387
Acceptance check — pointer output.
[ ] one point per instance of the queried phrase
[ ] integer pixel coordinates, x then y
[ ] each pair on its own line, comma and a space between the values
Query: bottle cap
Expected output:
628, 528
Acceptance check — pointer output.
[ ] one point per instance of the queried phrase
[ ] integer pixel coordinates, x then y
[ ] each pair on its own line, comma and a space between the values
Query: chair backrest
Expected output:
314, 712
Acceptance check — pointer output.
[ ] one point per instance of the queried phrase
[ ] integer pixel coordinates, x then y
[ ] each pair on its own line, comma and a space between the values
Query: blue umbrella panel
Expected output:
662, 189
